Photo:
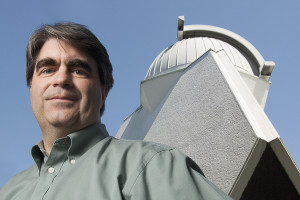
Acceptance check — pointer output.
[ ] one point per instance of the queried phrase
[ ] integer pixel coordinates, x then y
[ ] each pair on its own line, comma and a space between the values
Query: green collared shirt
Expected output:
89, 164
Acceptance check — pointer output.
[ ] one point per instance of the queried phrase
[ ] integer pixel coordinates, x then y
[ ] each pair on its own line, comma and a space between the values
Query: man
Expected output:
69, 75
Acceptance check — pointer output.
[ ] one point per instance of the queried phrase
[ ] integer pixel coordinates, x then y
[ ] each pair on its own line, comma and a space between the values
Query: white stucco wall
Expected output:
200, 116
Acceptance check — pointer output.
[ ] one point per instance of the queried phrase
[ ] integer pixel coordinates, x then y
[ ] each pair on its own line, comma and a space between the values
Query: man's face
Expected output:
65, 90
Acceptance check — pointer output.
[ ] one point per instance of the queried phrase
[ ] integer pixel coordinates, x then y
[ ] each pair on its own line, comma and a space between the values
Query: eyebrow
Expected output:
45, 62
80, 63
72, 63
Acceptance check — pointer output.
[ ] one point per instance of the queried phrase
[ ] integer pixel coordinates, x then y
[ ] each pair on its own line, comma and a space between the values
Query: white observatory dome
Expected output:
196, 40
184, 52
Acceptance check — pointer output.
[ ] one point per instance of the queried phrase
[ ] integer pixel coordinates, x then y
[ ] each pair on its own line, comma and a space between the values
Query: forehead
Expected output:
57, 48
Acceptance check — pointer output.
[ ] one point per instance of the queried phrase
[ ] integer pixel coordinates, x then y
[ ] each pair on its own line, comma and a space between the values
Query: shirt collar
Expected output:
78, 143
83, 140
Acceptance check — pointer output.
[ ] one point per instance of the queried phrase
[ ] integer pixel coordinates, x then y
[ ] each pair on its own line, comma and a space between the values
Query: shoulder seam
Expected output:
145, 162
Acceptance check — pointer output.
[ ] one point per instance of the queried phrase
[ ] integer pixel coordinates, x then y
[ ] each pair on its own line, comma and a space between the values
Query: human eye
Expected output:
46, 71
79, 68
80, 72
46, 66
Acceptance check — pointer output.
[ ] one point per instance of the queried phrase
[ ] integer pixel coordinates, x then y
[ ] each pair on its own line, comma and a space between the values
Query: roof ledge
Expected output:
191, 31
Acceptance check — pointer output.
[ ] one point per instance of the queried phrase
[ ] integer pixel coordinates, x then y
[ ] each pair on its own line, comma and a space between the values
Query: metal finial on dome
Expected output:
180, 28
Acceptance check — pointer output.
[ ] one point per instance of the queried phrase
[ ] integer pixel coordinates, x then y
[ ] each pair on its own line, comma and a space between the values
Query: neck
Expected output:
51, 134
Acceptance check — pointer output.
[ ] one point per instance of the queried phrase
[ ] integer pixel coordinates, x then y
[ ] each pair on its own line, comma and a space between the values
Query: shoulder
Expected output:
147, 154
127, 156
137, 155
136, 148
18, 179
28, 173
164, 172
157, 166
150, 152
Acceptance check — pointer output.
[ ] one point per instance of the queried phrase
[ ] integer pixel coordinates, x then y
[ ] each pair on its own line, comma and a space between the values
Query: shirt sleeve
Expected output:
172, 175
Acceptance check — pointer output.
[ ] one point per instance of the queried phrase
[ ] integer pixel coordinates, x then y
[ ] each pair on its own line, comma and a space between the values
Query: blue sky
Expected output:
134, 33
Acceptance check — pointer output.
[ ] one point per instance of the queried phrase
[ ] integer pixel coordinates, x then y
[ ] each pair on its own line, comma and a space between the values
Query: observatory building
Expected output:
206, 95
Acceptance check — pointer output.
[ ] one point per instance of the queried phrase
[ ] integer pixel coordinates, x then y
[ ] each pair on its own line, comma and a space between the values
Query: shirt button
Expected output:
51, 170
73, 161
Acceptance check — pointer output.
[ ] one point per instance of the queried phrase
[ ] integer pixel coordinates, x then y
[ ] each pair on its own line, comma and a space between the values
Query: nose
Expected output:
62, 78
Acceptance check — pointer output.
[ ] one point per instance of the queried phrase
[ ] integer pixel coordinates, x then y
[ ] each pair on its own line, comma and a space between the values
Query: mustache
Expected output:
62, 94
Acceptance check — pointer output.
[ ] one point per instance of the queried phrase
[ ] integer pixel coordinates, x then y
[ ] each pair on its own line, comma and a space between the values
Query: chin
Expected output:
64, 120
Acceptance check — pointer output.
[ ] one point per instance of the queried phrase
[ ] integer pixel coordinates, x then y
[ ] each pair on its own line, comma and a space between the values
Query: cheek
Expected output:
93, 96
35, 102
36, 92
33, 95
